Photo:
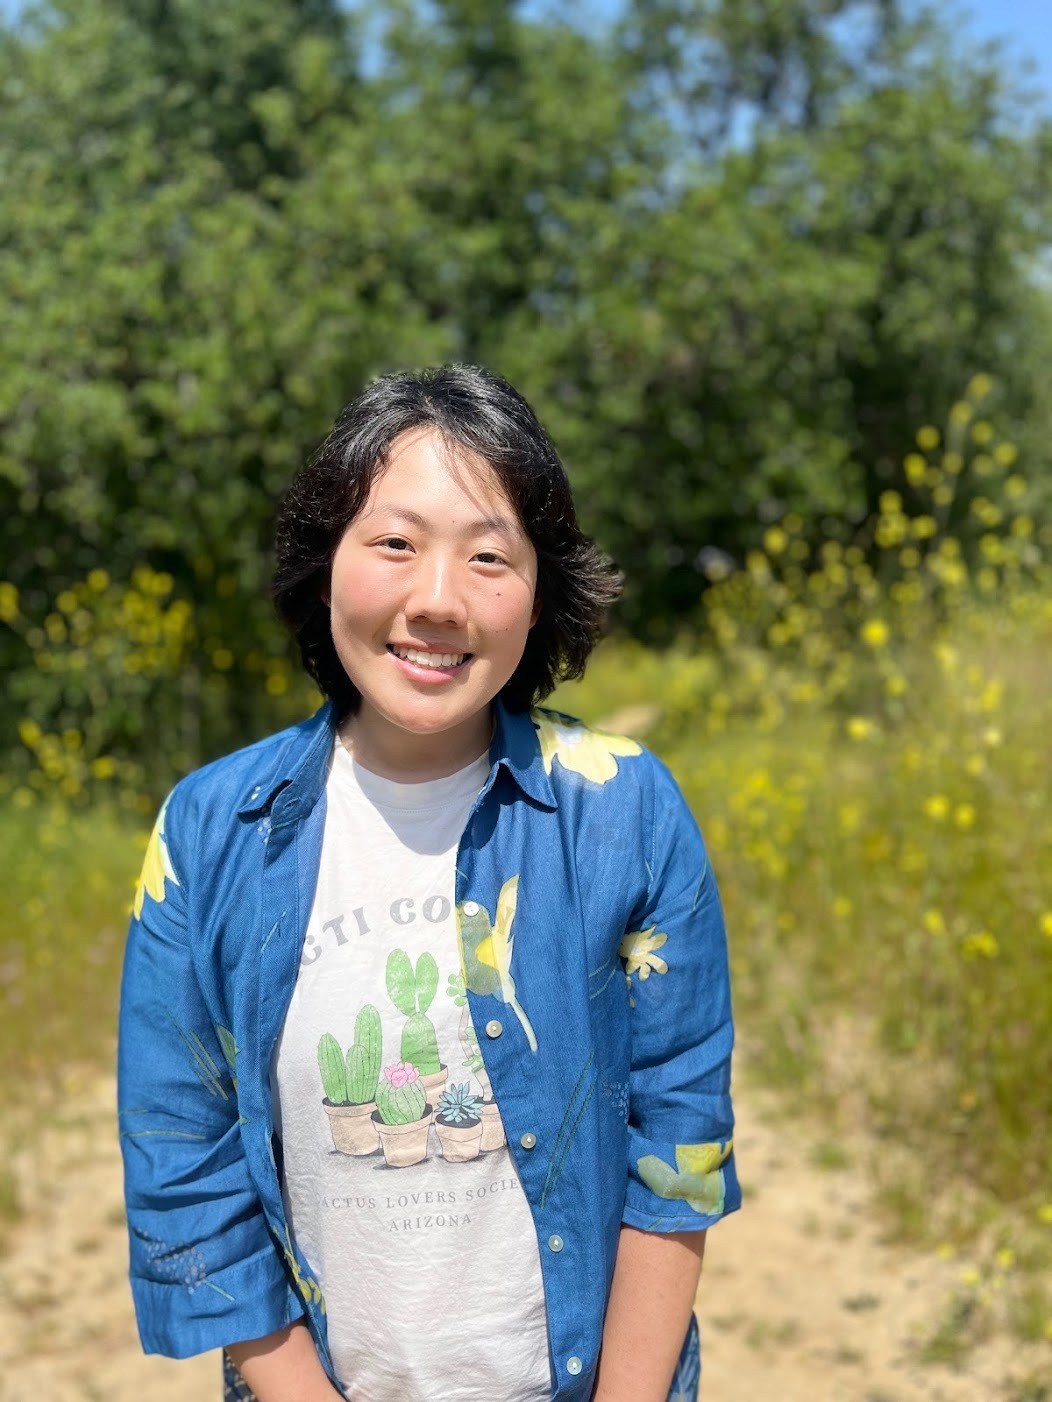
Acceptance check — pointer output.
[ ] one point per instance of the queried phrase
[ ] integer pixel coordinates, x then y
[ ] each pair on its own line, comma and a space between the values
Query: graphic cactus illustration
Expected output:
333, 1070
352, 1081
412, 994
363, 1058
400, 1095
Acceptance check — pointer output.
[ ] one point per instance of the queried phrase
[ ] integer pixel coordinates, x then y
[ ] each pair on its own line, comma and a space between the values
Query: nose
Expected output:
437, 592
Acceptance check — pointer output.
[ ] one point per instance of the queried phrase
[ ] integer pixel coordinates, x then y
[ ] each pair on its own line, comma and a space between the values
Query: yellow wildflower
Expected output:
859, 728
637, 950
156, 868
1044, 1214
890, 503
934, 923
982, 432
970, 1276
1015, 487
928, 437
1046, 924
981, 946
964, 816
937, 807
29, 733
842, 907
590, 753
875, 632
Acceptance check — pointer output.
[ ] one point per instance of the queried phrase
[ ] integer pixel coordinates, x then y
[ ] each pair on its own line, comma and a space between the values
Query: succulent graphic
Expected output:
400, 1095
486, 952
459, 1106
412, 994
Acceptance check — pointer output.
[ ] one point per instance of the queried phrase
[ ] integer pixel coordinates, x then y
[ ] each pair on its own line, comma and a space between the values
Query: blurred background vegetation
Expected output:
775, 275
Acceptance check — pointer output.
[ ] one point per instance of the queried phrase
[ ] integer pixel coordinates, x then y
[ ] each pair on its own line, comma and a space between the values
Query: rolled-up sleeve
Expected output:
205, 1269
681, 1167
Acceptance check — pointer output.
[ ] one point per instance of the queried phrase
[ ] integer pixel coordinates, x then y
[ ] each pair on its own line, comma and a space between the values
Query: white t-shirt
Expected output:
418, 1233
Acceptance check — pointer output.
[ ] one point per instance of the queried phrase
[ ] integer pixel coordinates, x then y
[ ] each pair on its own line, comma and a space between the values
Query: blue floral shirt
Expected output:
602, 1011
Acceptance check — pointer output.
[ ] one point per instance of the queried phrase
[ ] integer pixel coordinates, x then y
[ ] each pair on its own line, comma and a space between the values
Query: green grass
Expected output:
889, 905
67, 895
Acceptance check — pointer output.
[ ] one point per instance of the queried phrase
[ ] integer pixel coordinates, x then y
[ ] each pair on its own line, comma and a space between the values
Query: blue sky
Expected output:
1026, 24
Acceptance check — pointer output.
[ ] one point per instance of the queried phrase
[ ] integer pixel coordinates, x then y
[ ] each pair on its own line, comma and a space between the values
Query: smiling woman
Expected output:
432, 593
489, 884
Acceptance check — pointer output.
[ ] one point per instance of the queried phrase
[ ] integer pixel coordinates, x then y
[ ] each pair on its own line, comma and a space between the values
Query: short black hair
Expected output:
475, 410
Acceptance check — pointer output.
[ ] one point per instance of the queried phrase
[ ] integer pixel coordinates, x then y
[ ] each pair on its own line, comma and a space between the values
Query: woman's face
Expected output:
433, 593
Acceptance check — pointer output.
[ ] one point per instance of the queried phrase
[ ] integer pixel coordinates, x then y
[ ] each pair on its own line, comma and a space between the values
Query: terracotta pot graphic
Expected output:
353, 1131
404, 1145
434, 1084
460, 1142
493, 1136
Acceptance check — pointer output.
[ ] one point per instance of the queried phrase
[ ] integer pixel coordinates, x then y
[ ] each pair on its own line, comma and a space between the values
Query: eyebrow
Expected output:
479, 526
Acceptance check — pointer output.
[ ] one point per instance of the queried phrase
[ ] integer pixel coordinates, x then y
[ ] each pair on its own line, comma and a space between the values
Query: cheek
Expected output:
357, 594
510, 613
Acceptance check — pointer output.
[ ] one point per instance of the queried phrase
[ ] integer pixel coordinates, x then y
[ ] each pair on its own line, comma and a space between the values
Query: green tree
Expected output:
734, 252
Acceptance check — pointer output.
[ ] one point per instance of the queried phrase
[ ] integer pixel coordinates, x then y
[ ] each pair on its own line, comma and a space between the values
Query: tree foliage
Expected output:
734, 253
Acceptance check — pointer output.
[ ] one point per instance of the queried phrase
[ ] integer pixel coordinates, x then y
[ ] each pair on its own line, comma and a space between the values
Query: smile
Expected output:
429, 659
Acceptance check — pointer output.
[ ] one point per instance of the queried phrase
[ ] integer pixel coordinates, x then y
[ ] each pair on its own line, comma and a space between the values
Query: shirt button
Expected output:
493, 1029
555, 1243
471, 908
528, 1141
574, 1365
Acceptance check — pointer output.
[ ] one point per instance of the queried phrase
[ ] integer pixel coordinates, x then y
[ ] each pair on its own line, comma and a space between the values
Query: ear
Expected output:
536, 610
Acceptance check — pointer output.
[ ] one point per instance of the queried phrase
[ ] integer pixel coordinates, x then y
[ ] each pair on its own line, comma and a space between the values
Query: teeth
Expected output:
429, 659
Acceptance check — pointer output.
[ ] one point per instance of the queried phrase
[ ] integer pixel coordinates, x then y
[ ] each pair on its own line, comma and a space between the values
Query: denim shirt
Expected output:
605, 1028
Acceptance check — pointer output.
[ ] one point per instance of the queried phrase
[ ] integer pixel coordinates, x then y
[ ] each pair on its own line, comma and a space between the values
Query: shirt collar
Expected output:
302, 763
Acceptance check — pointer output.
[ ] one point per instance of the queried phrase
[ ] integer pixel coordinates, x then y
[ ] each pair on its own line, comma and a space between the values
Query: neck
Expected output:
410, 758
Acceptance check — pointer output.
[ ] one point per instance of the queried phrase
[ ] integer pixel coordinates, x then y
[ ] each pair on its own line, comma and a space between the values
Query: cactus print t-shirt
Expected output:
396, 1175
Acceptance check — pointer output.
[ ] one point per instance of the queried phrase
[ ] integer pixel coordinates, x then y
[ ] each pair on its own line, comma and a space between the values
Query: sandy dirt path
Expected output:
800, 1301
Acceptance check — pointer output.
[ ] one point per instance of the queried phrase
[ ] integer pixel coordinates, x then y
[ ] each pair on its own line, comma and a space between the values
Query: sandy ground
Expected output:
800, 1299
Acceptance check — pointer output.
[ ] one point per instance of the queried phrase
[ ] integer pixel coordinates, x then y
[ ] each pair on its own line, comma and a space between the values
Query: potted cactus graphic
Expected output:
412, 993
458, 1123
493, 1136
350, 1084
402, 1116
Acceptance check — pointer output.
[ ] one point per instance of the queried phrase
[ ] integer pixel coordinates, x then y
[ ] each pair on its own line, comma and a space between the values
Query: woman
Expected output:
425, 1020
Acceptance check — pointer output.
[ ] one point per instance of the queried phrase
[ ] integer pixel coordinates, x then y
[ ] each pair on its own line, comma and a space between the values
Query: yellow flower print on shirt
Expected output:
696, 1180
590, 753
486, 951
156, 868
637, 950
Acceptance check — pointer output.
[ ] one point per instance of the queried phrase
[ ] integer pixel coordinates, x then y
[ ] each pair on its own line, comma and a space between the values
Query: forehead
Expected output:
422, 467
